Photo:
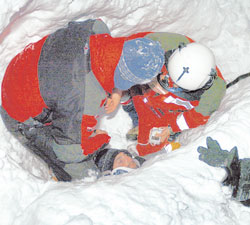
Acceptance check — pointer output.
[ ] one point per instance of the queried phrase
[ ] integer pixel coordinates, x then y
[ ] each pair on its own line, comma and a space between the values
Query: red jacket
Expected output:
160, 111
21, 96
156, 110
105, 53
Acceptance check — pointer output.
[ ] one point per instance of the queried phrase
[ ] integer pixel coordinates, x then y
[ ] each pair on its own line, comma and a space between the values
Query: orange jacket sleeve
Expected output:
91, 144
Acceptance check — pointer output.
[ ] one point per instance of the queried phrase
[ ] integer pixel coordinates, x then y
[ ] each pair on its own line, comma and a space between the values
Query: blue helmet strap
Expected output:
188, 95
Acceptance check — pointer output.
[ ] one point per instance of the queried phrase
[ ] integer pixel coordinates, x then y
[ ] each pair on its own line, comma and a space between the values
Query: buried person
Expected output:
186, 93
103, 162
116, 161
66, 162
54, 91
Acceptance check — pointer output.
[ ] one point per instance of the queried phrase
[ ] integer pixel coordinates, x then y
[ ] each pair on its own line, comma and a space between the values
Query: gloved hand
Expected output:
213, 155
238, 170
92, 144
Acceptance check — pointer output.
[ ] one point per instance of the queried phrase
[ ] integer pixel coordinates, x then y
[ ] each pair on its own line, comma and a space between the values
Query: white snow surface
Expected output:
170, 189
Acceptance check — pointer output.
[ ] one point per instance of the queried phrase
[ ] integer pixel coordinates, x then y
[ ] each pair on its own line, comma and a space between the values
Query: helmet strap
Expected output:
213, 75
168, 85
182, 45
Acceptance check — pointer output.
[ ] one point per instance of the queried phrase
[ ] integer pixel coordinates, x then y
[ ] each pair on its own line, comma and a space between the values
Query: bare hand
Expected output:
112, 102
164, 135
98, 131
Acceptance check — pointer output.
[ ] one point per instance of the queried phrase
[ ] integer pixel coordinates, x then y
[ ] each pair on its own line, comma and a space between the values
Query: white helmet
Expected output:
190, 66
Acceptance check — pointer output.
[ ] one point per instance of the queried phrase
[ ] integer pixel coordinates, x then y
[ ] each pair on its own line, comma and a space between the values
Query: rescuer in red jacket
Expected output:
55, 89
186, 93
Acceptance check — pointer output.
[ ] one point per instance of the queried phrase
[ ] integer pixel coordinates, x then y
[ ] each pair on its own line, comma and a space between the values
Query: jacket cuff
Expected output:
92, 144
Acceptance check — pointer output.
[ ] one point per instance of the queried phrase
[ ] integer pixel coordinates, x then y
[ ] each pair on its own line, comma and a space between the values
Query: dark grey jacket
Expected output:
69, 89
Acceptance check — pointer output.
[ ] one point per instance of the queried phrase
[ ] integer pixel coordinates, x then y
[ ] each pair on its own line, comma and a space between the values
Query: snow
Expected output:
174, 188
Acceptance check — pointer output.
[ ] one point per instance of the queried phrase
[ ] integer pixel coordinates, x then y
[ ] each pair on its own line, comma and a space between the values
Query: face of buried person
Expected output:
123, 160
110, 160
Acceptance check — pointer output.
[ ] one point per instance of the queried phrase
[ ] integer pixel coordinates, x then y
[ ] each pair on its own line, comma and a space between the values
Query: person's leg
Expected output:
130, 109
17, 130
81, 170
66, 82
68, 157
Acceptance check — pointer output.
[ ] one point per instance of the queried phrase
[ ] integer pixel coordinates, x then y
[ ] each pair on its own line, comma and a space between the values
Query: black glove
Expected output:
243, 191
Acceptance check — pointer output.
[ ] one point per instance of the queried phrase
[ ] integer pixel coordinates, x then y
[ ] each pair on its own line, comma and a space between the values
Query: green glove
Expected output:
213, 155
238, 170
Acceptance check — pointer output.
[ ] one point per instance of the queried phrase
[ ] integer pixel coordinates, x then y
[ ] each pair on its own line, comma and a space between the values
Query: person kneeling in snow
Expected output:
55, 89
189, 89
238, 170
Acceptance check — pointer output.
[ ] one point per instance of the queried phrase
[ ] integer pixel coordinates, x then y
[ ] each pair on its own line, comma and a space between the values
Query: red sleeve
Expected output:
21, 96
189, 119
147, 120
91, 144
195, 119
105, 52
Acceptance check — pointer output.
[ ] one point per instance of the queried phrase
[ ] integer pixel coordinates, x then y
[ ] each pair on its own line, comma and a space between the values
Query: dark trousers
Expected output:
130, 109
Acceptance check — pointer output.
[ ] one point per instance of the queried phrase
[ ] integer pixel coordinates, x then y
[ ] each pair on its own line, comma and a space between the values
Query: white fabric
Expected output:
178, 101
181, 122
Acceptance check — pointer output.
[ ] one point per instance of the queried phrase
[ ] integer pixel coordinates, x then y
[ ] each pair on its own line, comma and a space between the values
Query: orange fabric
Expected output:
155, 113
91, 144
147, 120
21, 96
219, 73
195, 119
190, 39
105, 52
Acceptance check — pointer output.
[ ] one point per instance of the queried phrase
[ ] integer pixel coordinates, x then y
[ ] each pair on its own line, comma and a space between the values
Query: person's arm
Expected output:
199, 115
113, 101
165, 133
92, 139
